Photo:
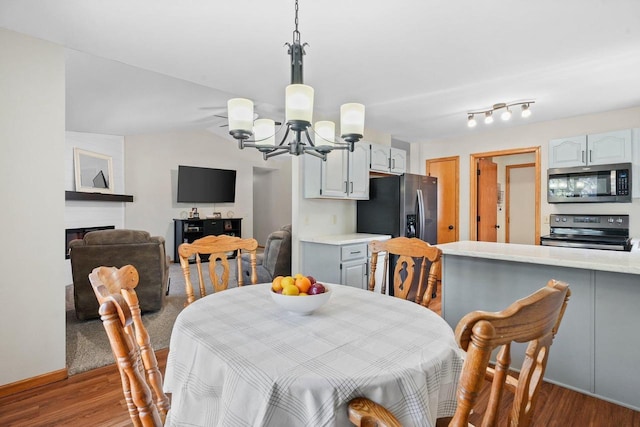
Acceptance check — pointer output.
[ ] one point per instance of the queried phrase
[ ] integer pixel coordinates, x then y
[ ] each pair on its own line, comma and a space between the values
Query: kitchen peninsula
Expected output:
596, 350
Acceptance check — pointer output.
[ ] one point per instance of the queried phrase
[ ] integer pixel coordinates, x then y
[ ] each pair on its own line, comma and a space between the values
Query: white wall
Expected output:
271, 197
80, 213
151, 170
32, 123
537, 134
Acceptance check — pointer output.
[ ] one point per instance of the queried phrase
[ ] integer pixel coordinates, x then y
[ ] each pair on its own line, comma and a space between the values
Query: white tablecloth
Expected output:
236, 359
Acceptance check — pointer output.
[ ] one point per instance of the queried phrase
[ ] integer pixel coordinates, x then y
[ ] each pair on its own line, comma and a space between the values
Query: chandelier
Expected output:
503, 108
298, 117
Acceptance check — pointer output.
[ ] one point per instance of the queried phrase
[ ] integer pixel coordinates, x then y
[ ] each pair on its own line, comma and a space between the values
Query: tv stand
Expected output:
188, 230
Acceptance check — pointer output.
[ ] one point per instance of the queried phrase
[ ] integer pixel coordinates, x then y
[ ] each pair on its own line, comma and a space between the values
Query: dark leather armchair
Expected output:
276, 259
116, 248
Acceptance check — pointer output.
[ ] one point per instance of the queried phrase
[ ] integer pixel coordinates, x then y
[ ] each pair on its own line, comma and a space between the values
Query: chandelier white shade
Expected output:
352, 119
299, 103
264, 132
240, 113
503, 108
325, 132
298, 118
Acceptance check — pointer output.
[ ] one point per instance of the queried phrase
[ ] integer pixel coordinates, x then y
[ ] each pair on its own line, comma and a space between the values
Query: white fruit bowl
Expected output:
302, 305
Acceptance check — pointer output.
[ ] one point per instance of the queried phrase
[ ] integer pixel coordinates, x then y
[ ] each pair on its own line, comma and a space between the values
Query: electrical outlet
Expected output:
334, 219
306, 220
546, 219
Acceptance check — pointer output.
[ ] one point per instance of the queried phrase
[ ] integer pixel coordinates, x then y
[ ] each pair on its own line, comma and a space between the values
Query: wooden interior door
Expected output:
487, 221
446, 169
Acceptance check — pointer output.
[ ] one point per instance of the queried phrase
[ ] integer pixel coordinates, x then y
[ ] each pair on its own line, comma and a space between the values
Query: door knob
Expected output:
496, 226
451, 227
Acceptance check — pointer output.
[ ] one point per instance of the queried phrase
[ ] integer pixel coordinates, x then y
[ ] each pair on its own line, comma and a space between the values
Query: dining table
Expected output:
236, 358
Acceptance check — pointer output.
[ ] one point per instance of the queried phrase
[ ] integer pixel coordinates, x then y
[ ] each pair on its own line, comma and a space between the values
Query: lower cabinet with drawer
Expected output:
345, 264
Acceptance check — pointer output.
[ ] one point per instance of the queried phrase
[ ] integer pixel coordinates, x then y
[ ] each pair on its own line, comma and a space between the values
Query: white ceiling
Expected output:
143, 66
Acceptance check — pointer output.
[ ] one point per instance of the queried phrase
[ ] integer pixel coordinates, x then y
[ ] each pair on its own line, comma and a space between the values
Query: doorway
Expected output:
520, 203
447, 170
500, 157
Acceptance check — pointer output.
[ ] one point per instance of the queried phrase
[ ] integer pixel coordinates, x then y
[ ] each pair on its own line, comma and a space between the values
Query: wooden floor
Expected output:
95, 398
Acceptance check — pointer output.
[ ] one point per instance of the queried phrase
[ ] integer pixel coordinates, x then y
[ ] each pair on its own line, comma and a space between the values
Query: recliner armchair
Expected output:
118, 248
276, 259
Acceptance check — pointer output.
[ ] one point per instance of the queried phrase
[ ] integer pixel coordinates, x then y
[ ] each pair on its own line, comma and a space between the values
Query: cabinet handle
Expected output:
351, 187
582, 155
354, 252
346, 187
590, 151
394, 164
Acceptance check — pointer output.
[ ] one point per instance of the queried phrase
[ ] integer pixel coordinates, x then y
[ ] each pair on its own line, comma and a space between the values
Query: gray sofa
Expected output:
116, 248
276, 259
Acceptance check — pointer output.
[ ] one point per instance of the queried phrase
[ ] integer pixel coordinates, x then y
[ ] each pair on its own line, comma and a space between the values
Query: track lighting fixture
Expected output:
503, 108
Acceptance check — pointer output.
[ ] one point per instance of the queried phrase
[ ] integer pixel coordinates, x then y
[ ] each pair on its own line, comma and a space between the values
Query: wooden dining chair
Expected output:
534, 320
217, 249
122, 320
408, 250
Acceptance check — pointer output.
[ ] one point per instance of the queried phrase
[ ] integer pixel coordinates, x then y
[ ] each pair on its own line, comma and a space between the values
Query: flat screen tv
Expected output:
206, 185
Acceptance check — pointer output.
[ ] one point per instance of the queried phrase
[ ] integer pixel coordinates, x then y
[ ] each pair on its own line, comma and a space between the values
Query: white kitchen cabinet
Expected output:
354, 273
398, 161
387, 159
344, 175
595, 149
609, 147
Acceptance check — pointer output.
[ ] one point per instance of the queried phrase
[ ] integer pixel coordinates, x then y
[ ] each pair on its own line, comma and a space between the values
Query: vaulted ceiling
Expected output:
142, 66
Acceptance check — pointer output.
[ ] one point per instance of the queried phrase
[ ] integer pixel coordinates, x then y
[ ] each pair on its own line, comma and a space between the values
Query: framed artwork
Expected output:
93, 172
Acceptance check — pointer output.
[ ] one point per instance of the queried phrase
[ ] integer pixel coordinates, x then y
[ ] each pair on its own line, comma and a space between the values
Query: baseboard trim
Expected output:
33, 382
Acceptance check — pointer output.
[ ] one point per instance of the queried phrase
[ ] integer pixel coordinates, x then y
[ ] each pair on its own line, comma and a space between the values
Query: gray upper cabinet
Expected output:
595, 149
387, 159
344, 175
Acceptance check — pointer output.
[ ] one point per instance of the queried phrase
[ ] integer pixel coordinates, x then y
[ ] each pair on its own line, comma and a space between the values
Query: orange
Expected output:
298, 275
276, 284
290, 290
303, 284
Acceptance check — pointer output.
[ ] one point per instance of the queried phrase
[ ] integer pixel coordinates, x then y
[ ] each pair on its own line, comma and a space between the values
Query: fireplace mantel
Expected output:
100, 197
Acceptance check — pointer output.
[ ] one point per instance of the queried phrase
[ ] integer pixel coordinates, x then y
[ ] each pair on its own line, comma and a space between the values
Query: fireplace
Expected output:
78, 233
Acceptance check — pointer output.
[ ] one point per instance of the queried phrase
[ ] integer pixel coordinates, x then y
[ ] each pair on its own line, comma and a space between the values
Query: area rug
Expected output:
87, 343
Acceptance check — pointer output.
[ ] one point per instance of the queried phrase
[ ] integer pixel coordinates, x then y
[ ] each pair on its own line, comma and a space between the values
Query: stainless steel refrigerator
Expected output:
405, 205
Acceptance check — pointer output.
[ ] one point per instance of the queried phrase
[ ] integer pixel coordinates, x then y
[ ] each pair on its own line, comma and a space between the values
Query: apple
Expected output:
311, 279
316, 289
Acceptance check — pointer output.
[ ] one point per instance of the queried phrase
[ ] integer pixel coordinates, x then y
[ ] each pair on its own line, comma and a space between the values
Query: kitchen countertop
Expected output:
588, 259
345, 239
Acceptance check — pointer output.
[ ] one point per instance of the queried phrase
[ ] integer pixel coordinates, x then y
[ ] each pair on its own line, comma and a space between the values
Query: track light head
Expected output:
488, 117
471, 121
526, 112
506, 114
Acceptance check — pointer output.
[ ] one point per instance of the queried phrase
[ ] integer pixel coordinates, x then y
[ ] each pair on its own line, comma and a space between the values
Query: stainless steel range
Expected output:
589, 231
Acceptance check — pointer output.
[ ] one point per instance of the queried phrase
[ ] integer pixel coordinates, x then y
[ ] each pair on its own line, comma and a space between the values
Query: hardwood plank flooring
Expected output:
95, 398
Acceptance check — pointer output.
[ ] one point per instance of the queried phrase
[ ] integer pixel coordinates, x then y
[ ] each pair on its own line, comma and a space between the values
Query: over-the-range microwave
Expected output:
593, 184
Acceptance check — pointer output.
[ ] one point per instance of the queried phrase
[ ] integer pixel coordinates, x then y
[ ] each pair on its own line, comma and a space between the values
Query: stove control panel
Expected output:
589, 221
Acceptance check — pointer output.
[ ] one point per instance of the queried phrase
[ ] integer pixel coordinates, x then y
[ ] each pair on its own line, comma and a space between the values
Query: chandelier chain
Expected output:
296, 33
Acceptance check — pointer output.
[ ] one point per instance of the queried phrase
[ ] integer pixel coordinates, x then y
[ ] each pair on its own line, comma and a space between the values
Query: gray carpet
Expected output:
87, 343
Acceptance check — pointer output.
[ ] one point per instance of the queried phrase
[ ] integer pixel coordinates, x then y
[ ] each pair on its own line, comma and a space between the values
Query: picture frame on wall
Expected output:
93, 172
